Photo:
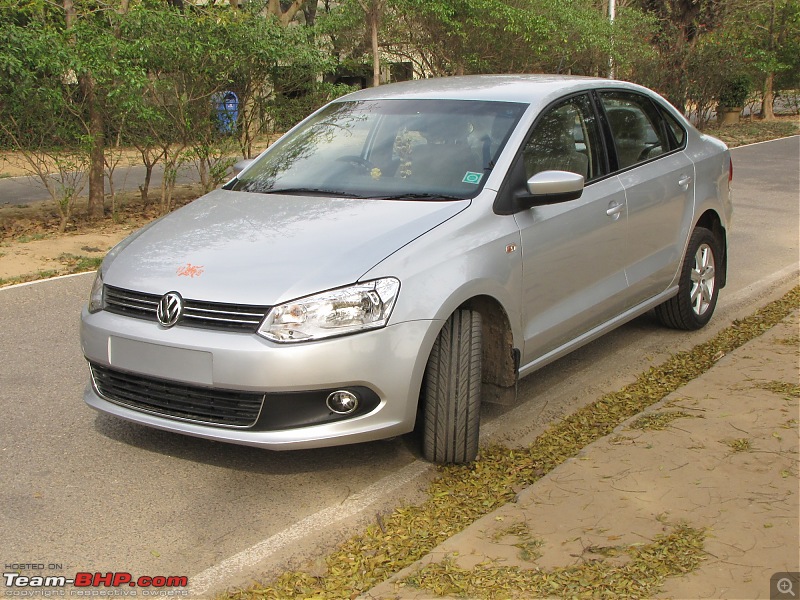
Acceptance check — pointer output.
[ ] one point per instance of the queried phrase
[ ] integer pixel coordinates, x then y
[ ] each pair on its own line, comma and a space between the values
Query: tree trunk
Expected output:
310, 11
766, 101
150, 161
96, 154
372, 10
144, 189
69, 13
273, 7
376, 53
204, 170
96, 132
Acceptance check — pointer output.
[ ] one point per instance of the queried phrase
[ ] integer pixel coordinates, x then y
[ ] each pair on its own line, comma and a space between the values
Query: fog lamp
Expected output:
342, 402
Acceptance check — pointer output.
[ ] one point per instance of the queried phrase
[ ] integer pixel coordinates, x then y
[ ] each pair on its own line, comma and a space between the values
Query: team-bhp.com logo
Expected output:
111, 579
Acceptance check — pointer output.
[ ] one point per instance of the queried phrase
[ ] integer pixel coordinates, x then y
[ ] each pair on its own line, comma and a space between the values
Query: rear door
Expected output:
658, 178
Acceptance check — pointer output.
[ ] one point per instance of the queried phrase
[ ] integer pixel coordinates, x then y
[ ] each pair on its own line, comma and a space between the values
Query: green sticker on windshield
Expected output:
472, 177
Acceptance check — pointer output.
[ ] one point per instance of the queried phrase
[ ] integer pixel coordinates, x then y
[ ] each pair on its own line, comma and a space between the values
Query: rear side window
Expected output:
678, 132
638, 128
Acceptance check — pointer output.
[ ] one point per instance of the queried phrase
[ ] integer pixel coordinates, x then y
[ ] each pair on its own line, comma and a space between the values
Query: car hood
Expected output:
265, 249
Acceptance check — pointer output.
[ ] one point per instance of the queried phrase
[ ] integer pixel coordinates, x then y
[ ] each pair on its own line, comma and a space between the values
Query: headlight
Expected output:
96, 295
337, 312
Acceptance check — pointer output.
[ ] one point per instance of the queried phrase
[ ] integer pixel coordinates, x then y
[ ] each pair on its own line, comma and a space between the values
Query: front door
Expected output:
574, 251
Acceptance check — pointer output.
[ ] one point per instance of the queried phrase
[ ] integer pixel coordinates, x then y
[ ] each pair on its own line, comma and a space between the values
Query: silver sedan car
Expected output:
406, 253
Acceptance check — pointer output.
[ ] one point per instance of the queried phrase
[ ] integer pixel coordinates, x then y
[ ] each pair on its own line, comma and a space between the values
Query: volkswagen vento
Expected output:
406, 253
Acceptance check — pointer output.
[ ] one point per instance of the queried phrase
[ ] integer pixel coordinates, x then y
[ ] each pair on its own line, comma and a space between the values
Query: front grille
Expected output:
230, 408
132, 304
196, 313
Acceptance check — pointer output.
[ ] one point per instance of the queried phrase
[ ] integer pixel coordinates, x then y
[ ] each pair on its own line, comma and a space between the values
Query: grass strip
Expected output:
750, 131
72, 264
675, 553
49, 274
464, 493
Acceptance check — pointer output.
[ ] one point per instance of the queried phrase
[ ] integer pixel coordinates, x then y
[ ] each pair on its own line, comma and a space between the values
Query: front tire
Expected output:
452, 391
698, 287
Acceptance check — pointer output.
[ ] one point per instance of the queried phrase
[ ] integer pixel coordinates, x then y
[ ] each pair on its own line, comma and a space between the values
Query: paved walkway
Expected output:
727, 464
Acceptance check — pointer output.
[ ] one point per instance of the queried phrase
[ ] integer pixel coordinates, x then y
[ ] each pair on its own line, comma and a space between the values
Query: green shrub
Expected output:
735, 91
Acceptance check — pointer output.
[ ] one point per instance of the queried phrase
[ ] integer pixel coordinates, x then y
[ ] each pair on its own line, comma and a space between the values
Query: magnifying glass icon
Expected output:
785, 586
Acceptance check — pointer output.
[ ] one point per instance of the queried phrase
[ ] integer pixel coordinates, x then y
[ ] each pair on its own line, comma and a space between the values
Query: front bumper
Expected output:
386, 364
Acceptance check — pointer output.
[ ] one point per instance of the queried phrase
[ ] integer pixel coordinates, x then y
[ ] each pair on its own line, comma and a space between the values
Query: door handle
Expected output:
614, 209
684, 181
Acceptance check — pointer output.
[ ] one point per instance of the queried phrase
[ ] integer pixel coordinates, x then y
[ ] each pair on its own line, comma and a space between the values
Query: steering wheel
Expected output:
648, 148
357, 160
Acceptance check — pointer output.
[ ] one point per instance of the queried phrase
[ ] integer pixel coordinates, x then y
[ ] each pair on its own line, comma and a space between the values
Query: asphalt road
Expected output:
85, 492
27, 189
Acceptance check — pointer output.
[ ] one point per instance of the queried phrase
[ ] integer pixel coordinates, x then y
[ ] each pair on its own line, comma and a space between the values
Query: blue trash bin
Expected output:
227, 106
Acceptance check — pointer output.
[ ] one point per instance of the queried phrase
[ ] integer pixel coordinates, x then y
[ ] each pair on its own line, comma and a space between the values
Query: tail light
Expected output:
730, 170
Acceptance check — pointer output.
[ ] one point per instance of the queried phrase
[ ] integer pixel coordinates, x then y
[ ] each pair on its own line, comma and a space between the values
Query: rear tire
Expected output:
698, 287
452, 391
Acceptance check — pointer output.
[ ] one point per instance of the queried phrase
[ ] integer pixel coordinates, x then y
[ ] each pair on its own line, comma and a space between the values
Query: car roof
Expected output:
530, 89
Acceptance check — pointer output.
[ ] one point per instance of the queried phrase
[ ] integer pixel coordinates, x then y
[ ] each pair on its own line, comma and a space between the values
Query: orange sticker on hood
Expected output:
190, 270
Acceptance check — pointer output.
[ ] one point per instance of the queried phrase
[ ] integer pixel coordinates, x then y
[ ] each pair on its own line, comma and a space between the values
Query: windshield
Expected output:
399, 149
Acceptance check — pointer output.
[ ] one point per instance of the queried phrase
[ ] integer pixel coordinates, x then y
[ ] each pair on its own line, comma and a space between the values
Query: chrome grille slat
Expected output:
141, 300
196, 313
132, 305
210, 312
221, 320
231, 408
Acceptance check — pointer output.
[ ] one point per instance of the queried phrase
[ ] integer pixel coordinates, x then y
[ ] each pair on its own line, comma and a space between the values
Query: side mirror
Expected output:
551, 187
242, 165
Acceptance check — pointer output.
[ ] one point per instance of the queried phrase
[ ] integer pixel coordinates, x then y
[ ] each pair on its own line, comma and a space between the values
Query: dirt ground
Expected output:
32, 248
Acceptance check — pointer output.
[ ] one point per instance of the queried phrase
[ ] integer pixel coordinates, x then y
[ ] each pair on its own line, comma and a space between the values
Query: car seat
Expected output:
628, 128
552, 147
444, 161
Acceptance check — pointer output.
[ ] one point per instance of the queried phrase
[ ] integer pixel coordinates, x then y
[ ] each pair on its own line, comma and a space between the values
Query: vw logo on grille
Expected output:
170, 308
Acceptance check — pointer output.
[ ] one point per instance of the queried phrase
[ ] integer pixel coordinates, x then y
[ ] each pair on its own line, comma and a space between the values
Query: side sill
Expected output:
597, 332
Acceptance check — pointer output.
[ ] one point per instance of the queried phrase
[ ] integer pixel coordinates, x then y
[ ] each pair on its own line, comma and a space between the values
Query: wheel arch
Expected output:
500, 358
450, 430
711, 220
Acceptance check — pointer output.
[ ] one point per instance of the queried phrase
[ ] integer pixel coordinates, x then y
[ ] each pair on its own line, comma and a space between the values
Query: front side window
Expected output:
637, 128
565, 138
399, 149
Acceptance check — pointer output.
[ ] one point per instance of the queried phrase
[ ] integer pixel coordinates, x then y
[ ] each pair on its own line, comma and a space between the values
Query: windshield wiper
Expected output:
303, 190
419, 196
